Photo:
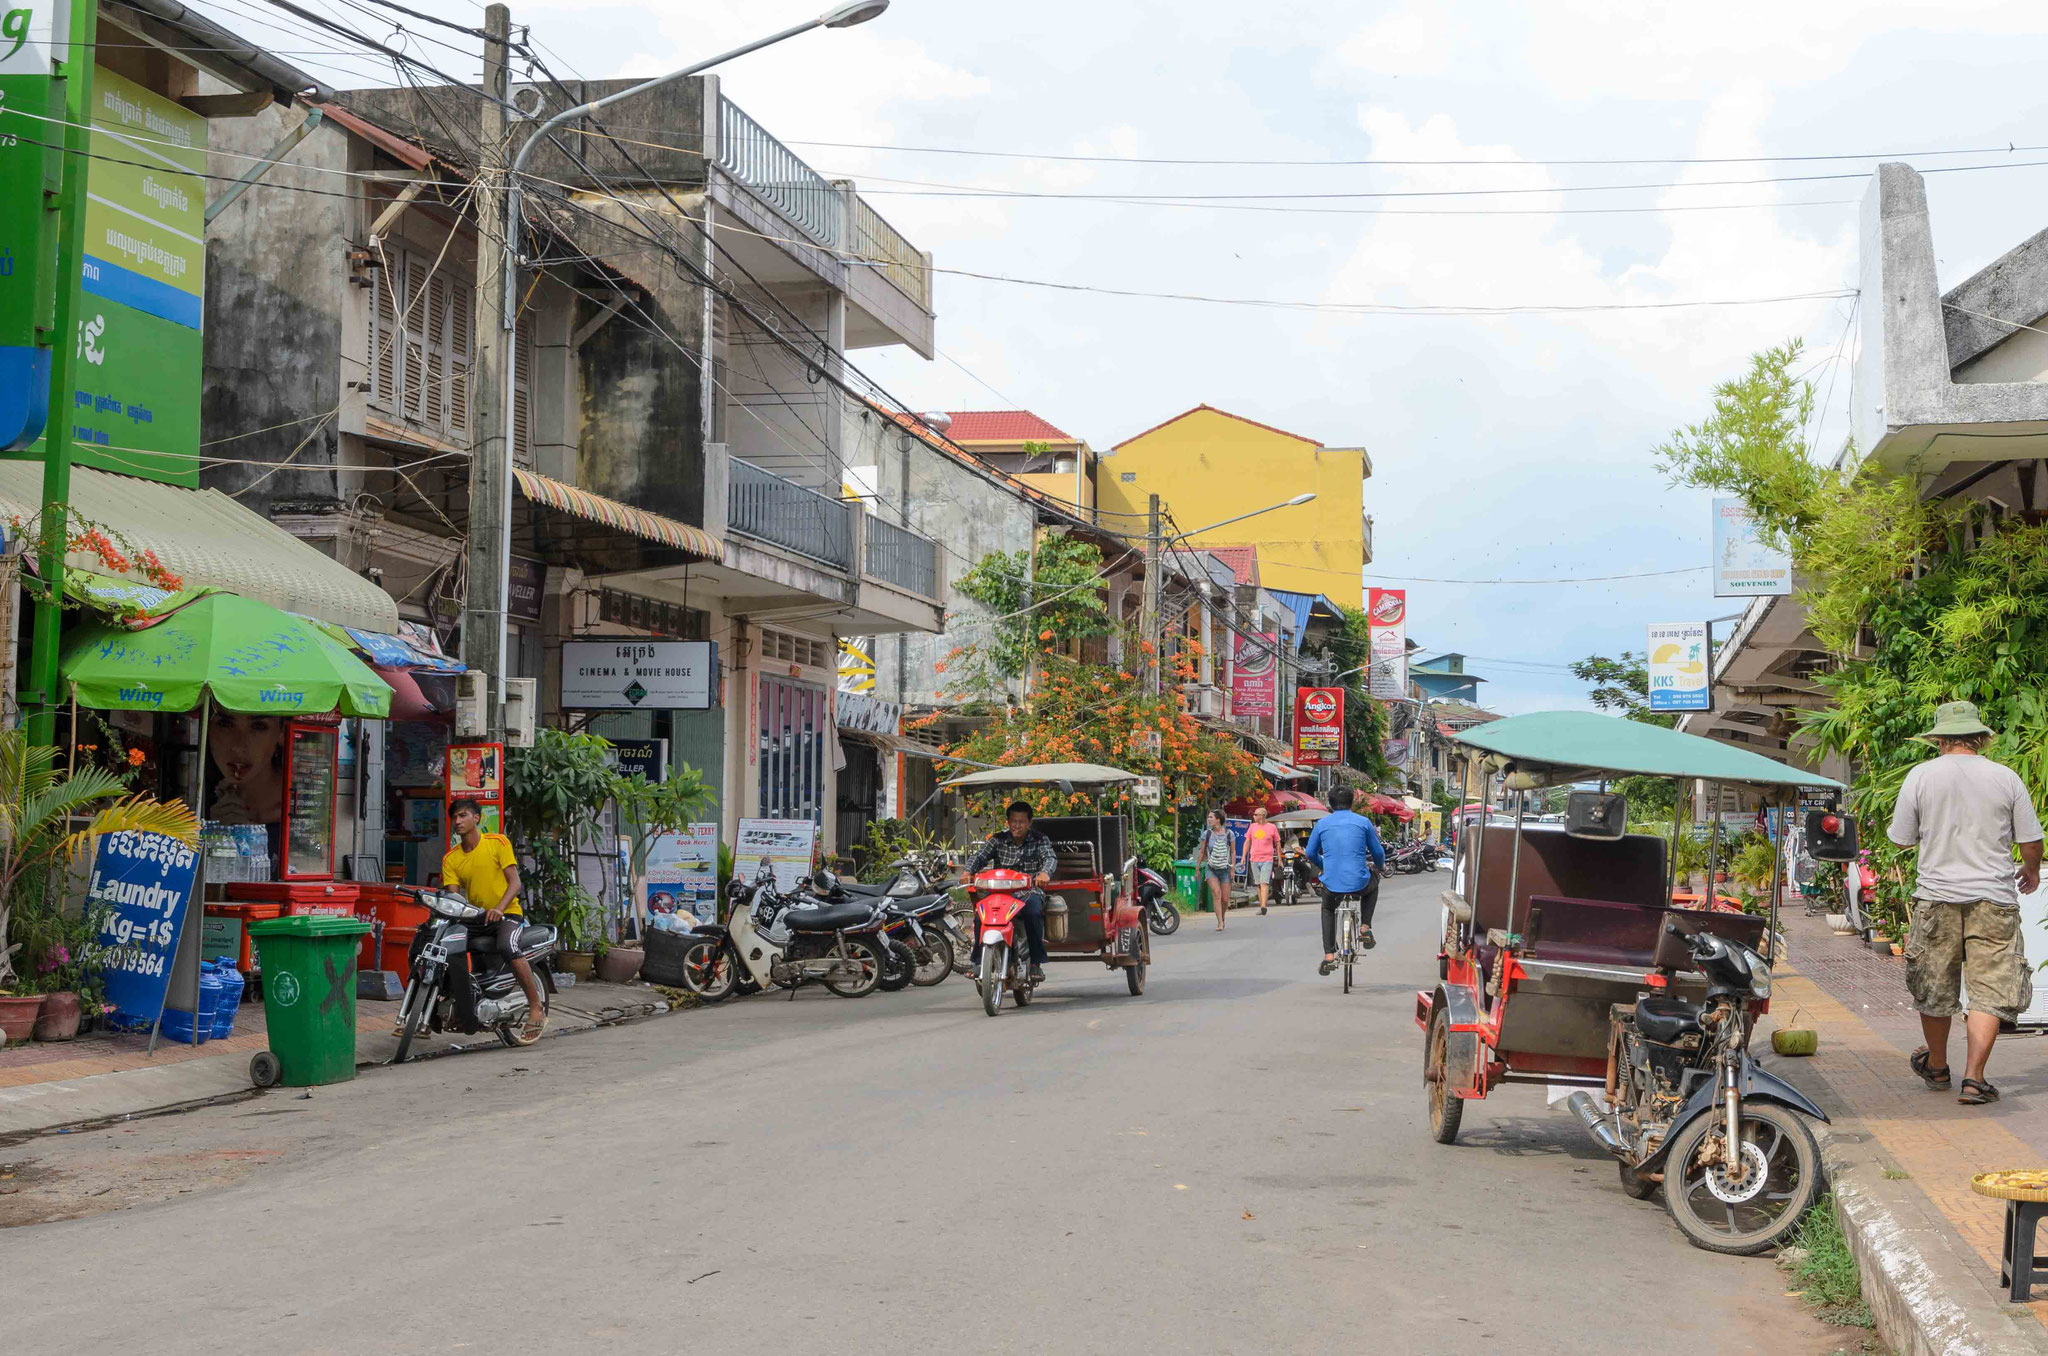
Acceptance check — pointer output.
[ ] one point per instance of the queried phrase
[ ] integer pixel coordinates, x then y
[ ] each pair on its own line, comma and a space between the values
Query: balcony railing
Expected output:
901, 557
779, 176
901, 263
783, 513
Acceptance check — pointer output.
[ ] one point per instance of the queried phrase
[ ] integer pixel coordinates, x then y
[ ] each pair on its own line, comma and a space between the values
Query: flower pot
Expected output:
18, 1016
620, 964
1881, 944
1898, 950
58, 1020
581, 964
1840, 923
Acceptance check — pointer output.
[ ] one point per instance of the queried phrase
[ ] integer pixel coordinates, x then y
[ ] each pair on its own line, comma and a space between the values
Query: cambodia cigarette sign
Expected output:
1319, 727
1678, 666
1387, 620
1254, 664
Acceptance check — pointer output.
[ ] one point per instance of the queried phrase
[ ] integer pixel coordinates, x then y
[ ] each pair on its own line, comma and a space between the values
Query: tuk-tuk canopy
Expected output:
1547, 748
1075, 776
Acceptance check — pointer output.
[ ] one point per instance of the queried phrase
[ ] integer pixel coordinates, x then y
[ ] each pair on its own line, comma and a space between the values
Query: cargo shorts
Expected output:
1977, 943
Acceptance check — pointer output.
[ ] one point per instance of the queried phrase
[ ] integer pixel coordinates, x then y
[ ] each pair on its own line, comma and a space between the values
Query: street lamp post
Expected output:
491, 467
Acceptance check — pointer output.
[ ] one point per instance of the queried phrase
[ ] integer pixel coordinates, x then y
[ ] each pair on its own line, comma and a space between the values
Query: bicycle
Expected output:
1348, 922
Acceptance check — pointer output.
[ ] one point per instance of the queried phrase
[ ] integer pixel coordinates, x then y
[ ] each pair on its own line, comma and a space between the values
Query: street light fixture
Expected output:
842, 16
1295, 502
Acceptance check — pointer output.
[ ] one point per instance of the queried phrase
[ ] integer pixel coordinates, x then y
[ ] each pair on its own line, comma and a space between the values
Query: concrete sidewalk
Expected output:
1900, 1157
49, 1087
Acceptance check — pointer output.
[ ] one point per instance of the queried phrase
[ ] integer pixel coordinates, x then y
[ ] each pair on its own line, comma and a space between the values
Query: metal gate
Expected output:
792, 739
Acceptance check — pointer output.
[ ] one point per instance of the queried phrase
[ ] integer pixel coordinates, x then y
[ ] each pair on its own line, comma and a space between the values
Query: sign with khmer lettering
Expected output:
628, 675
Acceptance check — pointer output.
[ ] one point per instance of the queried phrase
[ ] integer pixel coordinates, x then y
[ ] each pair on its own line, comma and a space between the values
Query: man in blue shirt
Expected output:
1346, 850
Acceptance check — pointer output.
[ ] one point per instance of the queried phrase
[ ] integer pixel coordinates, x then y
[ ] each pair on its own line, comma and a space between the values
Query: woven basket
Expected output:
2013, 1184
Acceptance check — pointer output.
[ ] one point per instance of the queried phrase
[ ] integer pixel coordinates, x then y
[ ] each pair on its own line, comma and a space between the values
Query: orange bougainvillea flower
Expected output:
1045, 635
136, 758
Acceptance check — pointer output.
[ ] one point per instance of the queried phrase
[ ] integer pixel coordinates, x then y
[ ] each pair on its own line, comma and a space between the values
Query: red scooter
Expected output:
998, 898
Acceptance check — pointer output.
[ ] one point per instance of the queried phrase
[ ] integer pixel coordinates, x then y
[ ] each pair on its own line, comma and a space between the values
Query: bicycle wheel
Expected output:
1347, 945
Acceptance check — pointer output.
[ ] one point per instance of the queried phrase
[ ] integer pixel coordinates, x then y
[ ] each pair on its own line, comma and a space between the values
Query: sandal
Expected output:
536, 1023
1983, 1095
1936, 1080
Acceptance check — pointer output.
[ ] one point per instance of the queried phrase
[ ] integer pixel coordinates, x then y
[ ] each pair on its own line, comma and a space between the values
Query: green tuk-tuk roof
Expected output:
1552, 747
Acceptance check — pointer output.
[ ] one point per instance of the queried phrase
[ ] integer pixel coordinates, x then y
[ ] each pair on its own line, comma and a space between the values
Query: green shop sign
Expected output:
134, 407
29, 166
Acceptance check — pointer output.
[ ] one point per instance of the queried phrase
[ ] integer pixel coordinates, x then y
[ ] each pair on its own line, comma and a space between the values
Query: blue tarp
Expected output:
1304, 605
396, 652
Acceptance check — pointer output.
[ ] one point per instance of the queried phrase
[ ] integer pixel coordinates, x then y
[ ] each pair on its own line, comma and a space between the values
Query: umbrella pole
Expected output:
1713, 841
198, 874
1671, 866
1777, 878
71, 757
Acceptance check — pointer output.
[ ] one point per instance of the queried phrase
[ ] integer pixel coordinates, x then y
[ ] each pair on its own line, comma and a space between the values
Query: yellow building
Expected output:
1041, 454
1208, 465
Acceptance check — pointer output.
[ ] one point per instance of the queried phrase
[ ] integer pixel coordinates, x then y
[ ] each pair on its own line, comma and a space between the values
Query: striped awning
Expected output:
635, 522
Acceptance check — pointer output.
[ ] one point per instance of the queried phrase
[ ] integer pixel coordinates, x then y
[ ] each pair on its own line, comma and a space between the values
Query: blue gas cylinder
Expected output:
231, 986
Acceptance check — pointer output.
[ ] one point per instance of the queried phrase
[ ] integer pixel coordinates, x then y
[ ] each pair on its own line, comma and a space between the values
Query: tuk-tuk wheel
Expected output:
1134, 975
1446, 1108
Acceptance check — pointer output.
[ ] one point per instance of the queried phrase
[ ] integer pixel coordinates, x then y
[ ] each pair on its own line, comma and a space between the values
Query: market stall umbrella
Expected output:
1275, 802
249, 655
1297, 818
1378, 803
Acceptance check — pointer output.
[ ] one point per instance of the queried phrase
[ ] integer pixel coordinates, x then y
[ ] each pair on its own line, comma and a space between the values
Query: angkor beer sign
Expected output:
1319, 727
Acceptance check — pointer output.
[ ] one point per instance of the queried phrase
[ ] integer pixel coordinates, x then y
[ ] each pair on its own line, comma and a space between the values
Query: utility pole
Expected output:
490, 462
1149, 626
45, 689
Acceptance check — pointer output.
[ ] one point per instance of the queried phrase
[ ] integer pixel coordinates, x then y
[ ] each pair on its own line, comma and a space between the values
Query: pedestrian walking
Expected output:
1216, 853
1966, 814
1260, 855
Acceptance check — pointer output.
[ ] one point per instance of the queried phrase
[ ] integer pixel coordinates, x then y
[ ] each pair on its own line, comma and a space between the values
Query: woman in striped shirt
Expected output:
1216, 853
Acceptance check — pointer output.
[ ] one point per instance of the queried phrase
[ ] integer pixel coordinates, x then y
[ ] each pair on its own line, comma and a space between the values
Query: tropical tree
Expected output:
1343, 650
1058, 600
37, 839
647, 810
554, 792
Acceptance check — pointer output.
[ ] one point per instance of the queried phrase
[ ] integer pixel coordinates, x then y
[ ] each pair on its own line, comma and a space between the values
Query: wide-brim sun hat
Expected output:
1955, 720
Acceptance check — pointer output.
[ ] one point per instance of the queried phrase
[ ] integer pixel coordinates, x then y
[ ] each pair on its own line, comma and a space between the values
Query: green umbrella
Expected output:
249, 655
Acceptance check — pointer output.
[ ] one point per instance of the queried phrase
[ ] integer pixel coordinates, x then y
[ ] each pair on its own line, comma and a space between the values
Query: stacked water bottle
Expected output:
220, 997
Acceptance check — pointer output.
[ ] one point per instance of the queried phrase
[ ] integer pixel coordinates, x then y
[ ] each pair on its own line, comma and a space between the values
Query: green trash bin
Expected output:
1187, 883
309, 999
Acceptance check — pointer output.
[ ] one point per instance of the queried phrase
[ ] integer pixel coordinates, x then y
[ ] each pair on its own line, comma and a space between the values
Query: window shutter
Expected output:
461, 341
382, 357
433, 330
522, 401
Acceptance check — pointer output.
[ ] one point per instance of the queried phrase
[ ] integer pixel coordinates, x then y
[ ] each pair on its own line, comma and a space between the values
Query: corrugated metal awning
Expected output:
636, 522
207, 538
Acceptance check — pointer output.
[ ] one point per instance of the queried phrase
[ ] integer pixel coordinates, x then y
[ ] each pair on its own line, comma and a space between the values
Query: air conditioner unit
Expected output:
472, 704
522, 704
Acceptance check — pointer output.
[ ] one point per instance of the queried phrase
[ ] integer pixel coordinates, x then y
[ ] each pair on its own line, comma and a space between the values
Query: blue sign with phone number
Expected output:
143, 882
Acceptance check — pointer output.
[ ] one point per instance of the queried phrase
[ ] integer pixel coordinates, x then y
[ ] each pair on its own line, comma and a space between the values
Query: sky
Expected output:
1505, 446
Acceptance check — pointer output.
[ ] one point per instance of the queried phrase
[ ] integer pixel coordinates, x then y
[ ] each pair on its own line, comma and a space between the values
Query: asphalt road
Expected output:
1238, 1161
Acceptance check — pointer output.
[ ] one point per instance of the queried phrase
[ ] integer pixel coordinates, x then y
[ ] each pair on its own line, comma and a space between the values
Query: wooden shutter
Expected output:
522, 398
382, 357
433, 329
461, 343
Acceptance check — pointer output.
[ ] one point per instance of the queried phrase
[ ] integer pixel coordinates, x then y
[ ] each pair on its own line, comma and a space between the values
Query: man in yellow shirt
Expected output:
485, 869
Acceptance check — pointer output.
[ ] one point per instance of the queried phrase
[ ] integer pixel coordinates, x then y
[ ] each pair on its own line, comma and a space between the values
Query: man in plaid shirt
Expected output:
1020, 848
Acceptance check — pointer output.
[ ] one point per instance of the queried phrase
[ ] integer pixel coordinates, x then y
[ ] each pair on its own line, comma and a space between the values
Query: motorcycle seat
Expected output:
534, 936
826, 917
1666, 1020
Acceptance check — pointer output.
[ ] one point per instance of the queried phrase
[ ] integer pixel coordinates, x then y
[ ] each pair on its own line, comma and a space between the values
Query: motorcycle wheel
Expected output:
1162, 918
898, 966
1023, 991
963, 949
995, 969
938, 963
710, 971
1429, 863
1637, 1186
867, 957
416, 1017
1774, 1138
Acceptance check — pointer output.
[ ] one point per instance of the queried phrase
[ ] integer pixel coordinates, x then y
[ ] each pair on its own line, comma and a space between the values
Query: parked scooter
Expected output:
776, 938
460, 981
1686, 1106
1154, 897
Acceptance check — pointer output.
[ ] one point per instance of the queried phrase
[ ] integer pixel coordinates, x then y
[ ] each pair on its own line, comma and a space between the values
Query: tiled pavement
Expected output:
1856, 1001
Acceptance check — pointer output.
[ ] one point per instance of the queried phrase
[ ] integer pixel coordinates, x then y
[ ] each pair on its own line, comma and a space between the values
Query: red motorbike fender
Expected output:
997, 911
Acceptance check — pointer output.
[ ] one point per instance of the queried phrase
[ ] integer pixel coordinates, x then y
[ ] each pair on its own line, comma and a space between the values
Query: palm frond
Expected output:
139, 814
49, 809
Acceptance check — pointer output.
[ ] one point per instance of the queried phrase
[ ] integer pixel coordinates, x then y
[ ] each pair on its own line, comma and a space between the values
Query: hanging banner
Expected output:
1387, 616
1254, 675
27, 240
1678, 667
142, 883
1319, 727
1743, 564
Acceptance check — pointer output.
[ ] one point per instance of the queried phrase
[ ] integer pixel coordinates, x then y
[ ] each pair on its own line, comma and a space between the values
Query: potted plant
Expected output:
37, 844
553, 792
647, 810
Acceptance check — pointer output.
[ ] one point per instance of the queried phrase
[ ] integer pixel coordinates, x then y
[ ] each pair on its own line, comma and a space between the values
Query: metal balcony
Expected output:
764, 506
779, 177
896, 555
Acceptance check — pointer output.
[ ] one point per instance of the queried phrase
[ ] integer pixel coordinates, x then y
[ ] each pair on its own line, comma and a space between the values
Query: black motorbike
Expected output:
460, 979
1153, 897
1687, 1107
913, 881
1412, 859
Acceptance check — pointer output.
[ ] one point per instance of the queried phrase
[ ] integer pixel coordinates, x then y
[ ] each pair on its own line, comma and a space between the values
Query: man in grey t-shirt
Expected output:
1966, 813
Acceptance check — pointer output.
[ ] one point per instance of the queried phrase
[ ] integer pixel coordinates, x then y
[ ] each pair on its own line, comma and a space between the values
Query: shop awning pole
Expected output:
198, 900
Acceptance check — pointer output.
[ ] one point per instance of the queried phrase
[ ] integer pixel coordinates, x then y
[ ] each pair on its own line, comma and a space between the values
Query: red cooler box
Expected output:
295, 897
394, 918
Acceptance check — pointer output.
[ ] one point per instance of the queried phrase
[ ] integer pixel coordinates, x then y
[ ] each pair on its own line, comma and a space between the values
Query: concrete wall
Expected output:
778, 414
276, 298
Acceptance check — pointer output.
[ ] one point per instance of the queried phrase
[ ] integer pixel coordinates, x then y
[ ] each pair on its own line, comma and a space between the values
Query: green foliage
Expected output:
1365, 718
1153, 838
1621, 685
889, 841
647, 810
37, 841
1067, 603
1824, 1268
553, 793
1752, 865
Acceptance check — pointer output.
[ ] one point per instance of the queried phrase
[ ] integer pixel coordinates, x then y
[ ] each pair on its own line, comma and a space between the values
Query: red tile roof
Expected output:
1242, 560
1226, 414
1003, 426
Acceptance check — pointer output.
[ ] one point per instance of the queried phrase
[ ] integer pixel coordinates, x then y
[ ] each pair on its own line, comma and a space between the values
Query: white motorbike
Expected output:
774, 938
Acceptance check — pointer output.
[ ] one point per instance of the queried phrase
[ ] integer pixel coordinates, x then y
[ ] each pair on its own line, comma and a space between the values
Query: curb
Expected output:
1929, 1292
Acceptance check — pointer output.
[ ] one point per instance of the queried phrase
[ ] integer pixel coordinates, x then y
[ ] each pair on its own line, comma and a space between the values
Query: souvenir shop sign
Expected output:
143, 882
629, 675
